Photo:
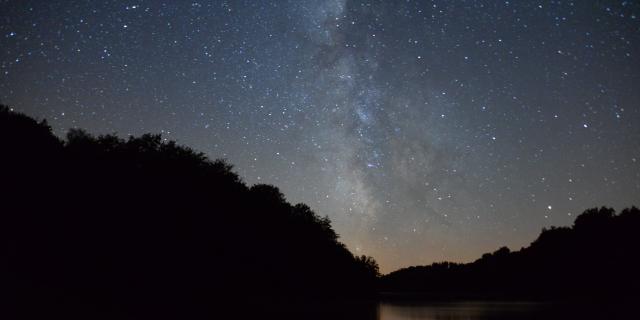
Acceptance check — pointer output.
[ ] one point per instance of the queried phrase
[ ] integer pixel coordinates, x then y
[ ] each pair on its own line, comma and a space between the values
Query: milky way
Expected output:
426, 130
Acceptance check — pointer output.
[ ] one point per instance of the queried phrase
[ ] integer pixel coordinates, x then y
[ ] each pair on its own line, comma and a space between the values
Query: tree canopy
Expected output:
598, 257
142, 226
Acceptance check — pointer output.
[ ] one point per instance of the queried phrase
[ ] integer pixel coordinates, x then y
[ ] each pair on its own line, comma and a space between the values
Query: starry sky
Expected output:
426, 130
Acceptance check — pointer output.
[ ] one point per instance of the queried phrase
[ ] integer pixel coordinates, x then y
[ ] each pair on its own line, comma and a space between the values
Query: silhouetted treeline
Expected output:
598, 257
138, 228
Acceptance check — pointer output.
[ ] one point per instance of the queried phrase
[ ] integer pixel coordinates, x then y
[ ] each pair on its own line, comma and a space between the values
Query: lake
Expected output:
499, 311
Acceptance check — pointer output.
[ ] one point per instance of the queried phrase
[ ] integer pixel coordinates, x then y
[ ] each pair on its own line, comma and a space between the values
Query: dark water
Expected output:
503, 311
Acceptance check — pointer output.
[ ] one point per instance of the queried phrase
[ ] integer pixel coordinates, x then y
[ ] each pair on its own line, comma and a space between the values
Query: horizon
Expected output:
426, 132
616, 210
64, 139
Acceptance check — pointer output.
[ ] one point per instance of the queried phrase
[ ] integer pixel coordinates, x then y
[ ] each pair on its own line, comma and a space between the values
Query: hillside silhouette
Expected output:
100, 227
596, 258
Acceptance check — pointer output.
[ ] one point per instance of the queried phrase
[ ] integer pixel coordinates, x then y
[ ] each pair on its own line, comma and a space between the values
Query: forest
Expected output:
103, 227
596, 258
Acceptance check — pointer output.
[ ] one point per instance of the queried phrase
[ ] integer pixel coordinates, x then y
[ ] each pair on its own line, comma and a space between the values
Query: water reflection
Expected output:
499, 311
457, 311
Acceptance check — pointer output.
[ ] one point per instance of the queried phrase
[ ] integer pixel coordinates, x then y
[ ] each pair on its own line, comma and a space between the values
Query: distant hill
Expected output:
105, 227
598, 257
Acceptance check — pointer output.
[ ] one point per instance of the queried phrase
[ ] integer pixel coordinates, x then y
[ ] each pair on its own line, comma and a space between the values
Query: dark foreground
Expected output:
384, 310
108, 228
142, 228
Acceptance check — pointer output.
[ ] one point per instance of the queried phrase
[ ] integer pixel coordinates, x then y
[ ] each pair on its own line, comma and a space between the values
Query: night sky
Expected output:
426, 130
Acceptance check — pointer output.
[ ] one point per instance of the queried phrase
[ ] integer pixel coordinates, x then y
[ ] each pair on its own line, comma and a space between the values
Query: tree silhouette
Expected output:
105, 227
597, 258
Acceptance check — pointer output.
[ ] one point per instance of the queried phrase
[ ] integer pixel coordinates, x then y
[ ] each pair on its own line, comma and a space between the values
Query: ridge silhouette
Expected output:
103, 227
597, 258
